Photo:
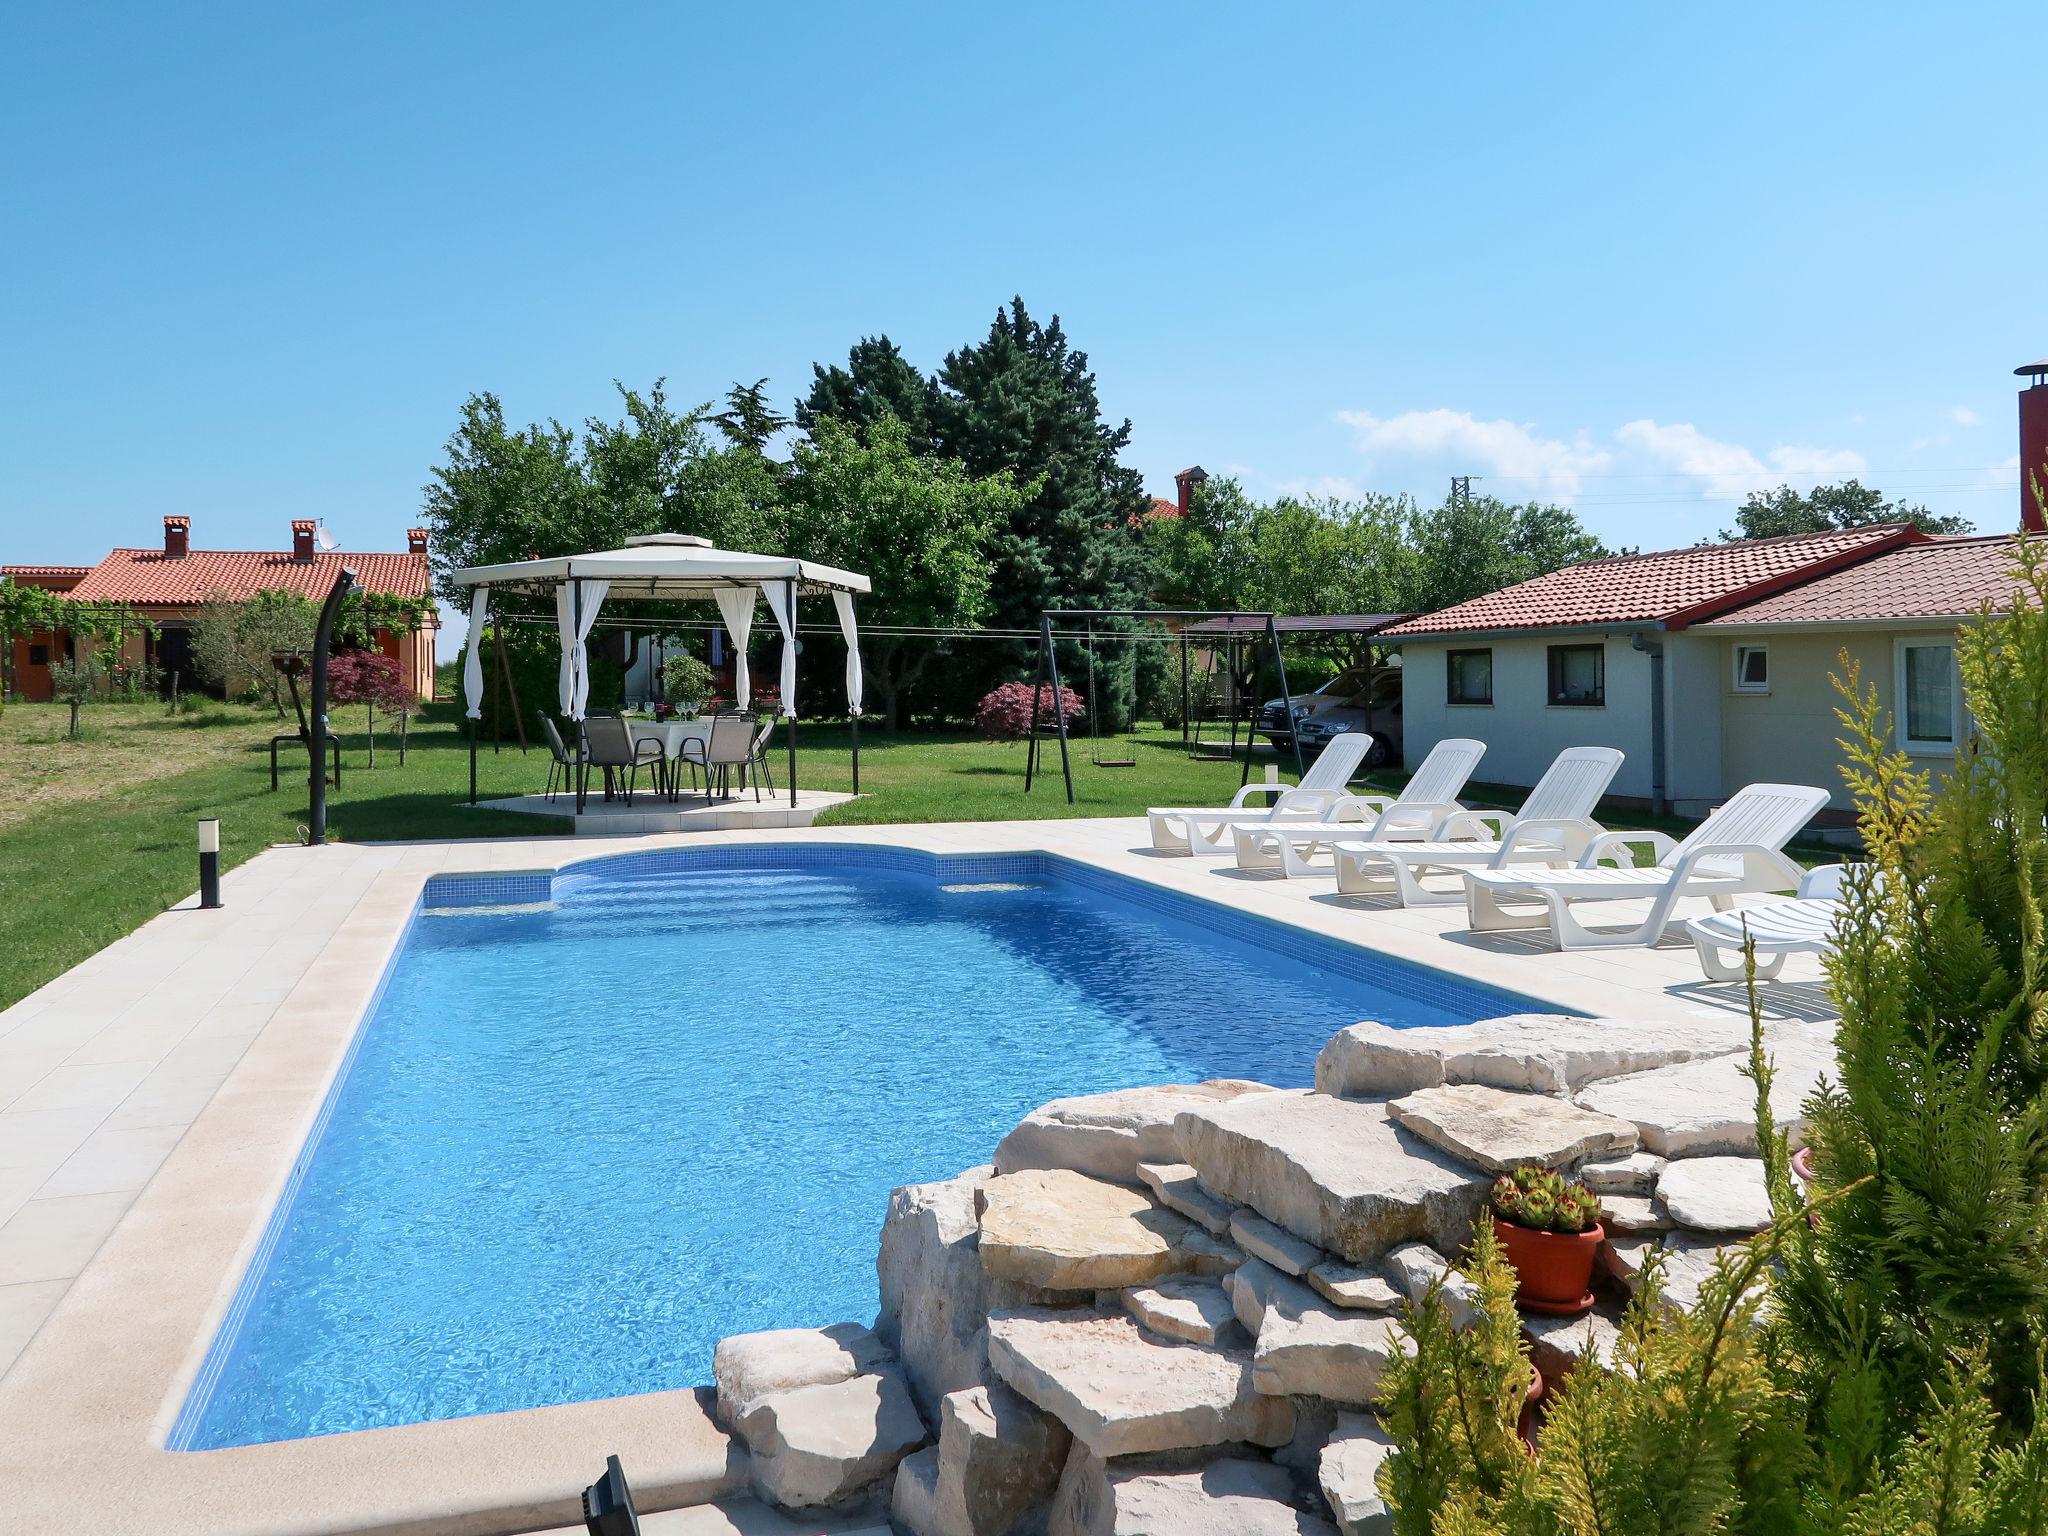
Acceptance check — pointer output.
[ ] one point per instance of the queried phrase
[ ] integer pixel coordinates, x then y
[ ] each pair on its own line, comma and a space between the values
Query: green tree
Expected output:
1470, 546
922, 523
749, 420
75, 681
233, 641
1766, 514
1022, 401
504, 495
877, 381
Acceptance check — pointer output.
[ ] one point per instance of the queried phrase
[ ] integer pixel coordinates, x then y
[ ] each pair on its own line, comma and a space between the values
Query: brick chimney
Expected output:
415, 541
177, 537
1184, 485
302, 538
2033, 444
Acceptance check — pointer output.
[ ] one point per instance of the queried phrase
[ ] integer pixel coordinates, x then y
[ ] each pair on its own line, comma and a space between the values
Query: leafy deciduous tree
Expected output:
1766, 514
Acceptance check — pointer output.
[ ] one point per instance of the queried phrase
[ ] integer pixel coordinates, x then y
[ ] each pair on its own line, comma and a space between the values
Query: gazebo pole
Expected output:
856, 751
789, 704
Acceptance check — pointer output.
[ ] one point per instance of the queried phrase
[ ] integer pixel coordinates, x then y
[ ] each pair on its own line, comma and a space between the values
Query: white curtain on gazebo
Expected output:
779, 605
842, 602
736, 607
473, 663
573, 620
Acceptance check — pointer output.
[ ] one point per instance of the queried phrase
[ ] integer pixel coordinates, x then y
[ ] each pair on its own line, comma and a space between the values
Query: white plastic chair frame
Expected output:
1192, 830
1425, 802
1805, 925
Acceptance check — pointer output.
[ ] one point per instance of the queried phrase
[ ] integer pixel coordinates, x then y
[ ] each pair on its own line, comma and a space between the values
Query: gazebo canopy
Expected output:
665, 565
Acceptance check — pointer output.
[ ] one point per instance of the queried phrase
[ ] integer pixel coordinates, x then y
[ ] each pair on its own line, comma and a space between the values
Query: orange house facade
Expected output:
168, 586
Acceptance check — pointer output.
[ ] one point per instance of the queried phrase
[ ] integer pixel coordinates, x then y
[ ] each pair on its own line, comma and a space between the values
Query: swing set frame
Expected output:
1049, 676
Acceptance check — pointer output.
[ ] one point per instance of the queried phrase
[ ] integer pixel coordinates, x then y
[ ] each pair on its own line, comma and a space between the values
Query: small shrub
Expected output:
1545, 1201
686, 682
1005, 713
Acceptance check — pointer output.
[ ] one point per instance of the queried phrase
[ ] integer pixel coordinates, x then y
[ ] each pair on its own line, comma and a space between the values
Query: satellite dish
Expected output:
325, 541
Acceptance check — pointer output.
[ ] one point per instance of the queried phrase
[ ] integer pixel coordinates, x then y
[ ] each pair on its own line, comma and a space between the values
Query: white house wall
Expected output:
1522, 731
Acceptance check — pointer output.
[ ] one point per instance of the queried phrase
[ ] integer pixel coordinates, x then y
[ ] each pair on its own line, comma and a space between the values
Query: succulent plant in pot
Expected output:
1550, 1228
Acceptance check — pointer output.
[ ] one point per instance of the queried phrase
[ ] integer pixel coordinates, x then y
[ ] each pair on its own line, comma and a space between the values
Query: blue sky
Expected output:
252, 260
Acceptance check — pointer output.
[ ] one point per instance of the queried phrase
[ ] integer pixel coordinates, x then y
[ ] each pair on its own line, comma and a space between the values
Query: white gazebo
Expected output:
673, 567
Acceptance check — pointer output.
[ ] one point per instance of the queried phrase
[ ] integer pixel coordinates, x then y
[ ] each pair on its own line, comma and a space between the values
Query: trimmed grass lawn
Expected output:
97, 835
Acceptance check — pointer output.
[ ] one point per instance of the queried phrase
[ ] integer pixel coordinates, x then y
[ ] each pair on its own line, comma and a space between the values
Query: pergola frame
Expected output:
1049, 669
624, 578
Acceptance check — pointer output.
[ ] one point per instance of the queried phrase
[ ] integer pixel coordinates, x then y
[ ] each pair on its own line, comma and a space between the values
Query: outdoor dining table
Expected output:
671, 734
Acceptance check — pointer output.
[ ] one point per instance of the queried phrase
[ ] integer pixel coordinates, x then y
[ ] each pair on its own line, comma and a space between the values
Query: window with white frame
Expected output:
1752, 669
1929, 695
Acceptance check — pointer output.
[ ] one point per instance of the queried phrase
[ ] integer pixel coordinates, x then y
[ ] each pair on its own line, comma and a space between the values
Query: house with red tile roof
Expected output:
168, 584
1709, 666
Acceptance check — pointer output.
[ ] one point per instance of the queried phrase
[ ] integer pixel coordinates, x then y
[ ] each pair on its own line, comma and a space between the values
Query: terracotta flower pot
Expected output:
1553, 1270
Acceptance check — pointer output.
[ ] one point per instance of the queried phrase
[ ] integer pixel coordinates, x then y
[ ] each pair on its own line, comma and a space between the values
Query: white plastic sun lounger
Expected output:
1412, 815
1194, 830
1554, 826
1805, 925
1737, 850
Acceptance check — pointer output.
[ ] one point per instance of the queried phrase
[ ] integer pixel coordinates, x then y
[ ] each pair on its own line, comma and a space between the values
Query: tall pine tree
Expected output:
878, 380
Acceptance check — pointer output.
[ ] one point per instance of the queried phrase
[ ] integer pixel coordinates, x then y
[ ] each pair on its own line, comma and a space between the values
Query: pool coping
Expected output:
86, 1411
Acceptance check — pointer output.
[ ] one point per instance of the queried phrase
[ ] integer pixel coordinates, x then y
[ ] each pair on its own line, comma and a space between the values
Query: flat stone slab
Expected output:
1414, 1266
1499, 1131
1193, 1308
1177, 1188
1348, 1473
821, 1444
1716, 1194
1275, 1244
1350, 1285
1558, 1344
1523, 1052
1064, 1231
1338, 1172
1230, 1497
1308, 1346
1708, 1108
1688, 1261
748, 1366
1634, 1213
1635, 1174
1123, 1392
1106, 1135
1204, 1253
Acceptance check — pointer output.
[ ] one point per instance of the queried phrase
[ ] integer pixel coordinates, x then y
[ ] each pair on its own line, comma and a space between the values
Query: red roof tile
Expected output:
1673, 587
44, 570
1161, 507
148, 576
1940, 579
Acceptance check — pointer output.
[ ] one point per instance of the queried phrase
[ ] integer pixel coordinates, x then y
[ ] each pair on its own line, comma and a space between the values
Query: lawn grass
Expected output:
98, 834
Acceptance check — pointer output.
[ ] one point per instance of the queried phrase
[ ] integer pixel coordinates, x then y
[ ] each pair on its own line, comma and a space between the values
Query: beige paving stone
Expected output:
99, 1086
113, 1159
53, 1239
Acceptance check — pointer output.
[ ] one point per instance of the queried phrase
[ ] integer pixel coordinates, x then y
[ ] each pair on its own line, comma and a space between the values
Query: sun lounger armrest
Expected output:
1243, 798
1605, 845
1489, 826
1569, 833
1427, 814
1758, 861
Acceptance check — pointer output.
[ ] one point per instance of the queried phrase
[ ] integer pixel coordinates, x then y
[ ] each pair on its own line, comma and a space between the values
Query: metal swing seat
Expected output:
1095, 718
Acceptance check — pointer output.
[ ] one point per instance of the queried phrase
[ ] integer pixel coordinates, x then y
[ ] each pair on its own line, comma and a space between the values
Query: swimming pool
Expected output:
596, 1121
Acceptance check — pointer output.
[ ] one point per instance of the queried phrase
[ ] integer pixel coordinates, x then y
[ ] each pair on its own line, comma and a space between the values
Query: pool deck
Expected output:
153, 1100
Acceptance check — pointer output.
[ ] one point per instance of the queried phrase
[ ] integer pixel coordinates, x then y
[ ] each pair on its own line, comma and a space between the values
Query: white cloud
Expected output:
1728, 469
1341, 487
1503, 448
1641, 459
1963, 416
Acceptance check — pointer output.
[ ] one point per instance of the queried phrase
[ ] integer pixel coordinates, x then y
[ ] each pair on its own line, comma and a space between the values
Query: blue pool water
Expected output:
578, 1143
